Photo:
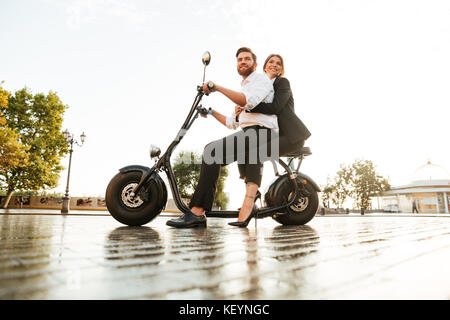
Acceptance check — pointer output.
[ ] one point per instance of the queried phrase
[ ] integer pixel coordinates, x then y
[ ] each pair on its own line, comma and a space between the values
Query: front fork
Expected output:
164, 164
145, 176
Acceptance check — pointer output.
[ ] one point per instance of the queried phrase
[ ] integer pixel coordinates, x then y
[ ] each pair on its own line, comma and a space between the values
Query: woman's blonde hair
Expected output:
275, 55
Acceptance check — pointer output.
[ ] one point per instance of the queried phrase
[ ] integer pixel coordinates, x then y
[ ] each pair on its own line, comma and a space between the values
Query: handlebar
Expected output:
203, 111
210, 87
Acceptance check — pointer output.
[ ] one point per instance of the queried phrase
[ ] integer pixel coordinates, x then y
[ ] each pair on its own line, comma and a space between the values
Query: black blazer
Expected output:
283, 106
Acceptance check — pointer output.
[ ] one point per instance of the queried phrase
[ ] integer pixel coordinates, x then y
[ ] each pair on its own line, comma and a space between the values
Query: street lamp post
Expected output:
70, 141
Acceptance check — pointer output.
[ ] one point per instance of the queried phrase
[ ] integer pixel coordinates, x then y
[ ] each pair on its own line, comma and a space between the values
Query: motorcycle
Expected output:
137, 194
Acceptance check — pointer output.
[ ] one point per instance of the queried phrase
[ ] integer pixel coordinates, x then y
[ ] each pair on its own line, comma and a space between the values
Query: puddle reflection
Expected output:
288, 243
132, 243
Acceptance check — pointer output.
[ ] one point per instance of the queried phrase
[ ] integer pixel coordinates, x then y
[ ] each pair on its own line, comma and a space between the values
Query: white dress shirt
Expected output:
257, 88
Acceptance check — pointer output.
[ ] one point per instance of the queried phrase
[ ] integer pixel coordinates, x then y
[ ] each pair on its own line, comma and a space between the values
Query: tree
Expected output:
366, 183
186, 168
338, 190
358, 181
36, 121
326, 193
12, 152
341, 187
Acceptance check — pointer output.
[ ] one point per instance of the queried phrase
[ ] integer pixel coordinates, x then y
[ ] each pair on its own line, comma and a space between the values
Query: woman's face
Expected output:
273, 67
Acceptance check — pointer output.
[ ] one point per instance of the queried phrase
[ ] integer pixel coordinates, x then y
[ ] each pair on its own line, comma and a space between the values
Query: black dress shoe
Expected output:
188, 220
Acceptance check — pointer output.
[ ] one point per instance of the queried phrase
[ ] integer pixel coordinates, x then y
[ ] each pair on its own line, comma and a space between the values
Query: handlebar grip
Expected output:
210, 86
203, 111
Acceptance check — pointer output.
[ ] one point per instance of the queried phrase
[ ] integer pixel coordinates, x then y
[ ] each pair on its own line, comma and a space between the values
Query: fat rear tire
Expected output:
302, 210
135, 212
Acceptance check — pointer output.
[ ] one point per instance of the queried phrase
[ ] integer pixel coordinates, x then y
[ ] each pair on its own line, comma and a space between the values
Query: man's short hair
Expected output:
245, 49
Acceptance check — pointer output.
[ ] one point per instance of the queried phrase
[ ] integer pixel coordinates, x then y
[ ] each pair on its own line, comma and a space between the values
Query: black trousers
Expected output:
249, 147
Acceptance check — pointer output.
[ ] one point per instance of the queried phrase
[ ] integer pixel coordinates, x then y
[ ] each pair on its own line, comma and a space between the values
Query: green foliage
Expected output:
366, 183
186, 168
187, 172
359, 181
36, 121
327, 193
340, 189
12, 152
221, 199
3, 105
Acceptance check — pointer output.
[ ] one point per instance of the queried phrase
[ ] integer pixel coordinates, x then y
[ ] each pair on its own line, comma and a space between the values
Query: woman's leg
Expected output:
252, 175
249, 201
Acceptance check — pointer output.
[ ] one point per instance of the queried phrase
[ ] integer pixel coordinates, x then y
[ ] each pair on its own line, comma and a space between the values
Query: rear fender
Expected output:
279, 181
307, 178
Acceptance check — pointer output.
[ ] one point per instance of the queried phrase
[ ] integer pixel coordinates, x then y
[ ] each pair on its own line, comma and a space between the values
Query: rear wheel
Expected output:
304, 207
132, 211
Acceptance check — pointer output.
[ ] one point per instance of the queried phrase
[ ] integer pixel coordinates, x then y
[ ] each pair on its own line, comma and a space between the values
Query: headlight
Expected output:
154, 151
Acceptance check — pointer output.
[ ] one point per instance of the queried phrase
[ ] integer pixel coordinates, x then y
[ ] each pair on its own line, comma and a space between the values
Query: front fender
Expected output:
134, 167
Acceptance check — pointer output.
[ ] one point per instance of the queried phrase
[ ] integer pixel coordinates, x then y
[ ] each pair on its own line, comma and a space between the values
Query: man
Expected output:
415, 210
255, 88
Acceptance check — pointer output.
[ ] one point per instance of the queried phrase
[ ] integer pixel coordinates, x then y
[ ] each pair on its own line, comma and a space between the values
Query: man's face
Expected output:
245, 64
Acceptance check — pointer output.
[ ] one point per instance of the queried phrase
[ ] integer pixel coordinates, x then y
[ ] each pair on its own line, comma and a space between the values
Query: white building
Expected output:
430, 188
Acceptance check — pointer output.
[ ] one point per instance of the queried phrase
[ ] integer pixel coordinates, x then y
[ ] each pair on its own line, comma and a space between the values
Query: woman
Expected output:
292, 131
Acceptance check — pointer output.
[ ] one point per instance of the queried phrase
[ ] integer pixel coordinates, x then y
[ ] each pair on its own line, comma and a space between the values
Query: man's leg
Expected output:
203, 196
214, 156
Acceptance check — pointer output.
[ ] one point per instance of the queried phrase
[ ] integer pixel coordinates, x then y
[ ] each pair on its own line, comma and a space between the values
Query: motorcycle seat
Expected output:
305, 151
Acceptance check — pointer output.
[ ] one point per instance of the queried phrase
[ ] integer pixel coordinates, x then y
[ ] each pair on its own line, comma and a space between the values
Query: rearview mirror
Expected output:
206, 58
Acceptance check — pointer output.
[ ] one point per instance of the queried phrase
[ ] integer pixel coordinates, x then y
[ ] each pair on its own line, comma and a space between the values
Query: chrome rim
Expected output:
131, 202
300, 204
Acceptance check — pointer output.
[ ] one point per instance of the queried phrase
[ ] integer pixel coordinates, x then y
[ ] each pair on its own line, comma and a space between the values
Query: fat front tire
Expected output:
130, 211
304, 207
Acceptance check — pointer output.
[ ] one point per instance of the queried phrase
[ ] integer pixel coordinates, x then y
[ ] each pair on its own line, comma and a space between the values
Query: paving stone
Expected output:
51, 256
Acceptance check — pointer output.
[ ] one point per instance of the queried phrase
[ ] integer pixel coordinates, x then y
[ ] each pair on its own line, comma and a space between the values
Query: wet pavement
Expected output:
50, 256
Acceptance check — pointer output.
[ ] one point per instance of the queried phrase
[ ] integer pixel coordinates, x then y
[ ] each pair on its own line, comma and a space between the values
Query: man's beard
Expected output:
245, 72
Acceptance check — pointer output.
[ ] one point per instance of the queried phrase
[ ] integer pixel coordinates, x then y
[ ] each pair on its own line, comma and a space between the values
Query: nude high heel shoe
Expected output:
254, 213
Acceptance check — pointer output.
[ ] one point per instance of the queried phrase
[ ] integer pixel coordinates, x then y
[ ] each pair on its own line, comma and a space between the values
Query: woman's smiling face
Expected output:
273, 67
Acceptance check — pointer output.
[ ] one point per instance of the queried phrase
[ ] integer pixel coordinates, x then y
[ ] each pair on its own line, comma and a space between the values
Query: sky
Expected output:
371, 79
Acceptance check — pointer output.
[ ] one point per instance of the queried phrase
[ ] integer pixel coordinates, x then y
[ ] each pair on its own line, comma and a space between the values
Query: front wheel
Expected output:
133, 211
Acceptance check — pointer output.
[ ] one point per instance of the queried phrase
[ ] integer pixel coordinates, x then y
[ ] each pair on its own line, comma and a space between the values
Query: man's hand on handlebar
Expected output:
205, 112
209, 87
